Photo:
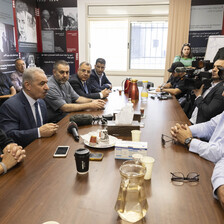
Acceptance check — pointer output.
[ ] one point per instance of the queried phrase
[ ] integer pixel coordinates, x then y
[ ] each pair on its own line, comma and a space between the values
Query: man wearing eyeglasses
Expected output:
61, 98
81, 83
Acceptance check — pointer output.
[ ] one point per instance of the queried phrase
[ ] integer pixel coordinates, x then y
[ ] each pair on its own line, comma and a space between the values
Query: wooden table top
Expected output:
44, 188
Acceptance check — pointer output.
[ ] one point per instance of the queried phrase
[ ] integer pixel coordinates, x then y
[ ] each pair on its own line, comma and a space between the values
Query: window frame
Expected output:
133, 72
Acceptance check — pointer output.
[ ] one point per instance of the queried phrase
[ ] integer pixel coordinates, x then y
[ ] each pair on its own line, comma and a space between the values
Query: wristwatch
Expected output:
188, 141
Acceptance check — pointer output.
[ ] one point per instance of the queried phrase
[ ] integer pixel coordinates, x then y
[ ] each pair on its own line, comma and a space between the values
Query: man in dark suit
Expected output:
98, 77
80, 82
210, 102
23, 117
45, 20
61, 21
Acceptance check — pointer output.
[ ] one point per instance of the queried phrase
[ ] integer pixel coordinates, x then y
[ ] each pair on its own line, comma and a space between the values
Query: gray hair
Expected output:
85, 63
30, 73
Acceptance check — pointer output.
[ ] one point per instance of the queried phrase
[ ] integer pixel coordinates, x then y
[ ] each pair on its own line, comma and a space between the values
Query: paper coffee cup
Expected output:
136, 134
137, 157
148, 162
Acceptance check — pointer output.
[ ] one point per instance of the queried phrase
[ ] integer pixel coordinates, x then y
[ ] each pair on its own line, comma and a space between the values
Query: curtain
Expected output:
178, 30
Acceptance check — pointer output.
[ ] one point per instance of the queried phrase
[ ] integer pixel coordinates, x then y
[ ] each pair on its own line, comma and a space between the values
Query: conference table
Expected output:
43, 188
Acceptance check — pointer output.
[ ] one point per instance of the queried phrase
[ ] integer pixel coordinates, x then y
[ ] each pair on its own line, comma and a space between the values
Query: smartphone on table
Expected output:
96, 156
61, 151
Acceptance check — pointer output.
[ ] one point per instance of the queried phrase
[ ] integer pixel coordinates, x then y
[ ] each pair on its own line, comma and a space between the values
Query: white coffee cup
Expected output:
136, 134
137, 157
148, 162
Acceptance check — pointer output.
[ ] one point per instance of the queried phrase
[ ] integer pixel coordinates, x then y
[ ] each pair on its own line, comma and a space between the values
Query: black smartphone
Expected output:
61, 151
96, 156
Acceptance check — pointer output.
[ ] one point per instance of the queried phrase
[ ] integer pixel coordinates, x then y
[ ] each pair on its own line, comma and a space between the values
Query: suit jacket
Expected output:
17, 120
95, 83
56, 24
45, 24
211, 105
77, 85
4, 141
219, 54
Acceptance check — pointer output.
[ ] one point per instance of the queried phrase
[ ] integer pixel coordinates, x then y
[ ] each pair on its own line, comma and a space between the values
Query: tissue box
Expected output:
137, 115
122, 130
125, 149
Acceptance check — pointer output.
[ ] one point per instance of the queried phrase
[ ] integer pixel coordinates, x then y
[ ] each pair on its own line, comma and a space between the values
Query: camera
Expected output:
196, 80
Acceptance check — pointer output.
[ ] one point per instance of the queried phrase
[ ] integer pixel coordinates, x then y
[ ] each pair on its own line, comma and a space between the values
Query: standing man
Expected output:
61, 98
23, 117
45, 20
61, 20
98, 77
80, 82
210, 102
17, 76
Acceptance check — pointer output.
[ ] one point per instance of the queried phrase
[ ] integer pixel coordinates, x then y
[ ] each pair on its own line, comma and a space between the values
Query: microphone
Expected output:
82, 119
73, 129
87, 119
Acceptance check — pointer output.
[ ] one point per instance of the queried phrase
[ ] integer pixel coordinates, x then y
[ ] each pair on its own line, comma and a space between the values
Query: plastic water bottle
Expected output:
144, 93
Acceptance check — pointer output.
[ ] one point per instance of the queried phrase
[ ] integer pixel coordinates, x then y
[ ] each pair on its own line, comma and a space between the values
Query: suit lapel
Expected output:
213, 90
28, 110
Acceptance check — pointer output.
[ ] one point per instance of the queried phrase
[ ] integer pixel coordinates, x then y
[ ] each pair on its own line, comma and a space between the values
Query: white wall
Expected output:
82, 27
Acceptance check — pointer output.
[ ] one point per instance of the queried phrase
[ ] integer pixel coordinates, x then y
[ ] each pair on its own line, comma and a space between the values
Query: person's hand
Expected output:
97, 104
158, 90
47, 130
198, 92
220, 194
12, 155
106, 92
180, 132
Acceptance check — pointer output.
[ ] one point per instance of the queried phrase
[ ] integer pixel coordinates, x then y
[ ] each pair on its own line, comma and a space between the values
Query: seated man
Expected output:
24, 115
98, 77
212, 148
6, 88
10, 153
173, 77
218, 181
80, 82
61, 98
17, 76
210, 102
176, 86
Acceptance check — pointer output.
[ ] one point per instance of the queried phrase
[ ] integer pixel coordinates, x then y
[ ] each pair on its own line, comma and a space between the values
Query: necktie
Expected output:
38, 121
85, 88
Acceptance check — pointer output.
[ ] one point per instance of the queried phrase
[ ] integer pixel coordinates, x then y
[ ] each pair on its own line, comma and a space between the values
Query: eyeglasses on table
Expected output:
179, 178
165, 139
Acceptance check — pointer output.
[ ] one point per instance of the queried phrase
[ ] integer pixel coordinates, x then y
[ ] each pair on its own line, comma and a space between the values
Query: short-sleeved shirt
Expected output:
57, 96
5, 85
180, 84
186, 61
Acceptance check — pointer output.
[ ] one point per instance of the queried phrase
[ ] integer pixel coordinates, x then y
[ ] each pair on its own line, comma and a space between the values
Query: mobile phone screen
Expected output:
61, 151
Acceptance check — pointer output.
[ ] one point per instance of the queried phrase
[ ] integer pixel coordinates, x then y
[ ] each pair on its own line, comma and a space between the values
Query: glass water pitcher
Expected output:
131, 202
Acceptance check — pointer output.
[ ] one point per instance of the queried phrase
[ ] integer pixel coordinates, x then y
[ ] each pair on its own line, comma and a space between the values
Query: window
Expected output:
148, 45
108, 39
132, 38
